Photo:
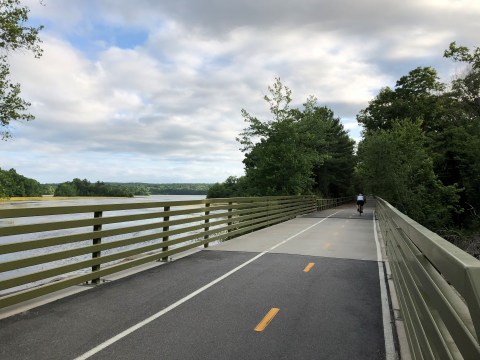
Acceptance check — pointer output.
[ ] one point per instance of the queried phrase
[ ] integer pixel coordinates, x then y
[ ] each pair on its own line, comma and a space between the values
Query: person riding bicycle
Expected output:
361, 200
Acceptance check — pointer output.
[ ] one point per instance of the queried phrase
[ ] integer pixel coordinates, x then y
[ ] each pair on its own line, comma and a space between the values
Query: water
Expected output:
89, 201
63, 247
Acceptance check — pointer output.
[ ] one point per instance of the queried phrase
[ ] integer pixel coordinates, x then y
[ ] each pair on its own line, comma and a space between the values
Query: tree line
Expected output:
13, 184
79, 187
421, 148
168, 188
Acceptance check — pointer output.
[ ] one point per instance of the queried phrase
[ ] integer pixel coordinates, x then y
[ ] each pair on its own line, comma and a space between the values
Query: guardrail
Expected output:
438, 287
323, 204
83, 243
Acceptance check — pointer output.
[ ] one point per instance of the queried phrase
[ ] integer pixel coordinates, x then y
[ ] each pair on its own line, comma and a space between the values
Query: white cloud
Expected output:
165, 106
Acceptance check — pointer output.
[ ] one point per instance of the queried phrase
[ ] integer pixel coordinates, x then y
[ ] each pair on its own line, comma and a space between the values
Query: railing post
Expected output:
207, 206
96, 241
229, 216
165, 228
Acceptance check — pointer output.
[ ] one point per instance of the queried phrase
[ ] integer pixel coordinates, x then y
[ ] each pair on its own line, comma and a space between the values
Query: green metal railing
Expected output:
438, 287
323, 204
62, 246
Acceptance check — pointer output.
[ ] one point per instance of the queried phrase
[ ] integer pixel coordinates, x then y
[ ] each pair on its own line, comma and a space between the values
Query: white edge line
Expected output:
148, 320
390, 353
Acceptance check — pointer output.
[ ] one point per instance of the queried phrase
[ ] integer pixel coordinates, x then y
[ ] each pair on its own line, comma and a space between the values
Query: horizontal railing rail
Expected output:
323, 204
438, 287
49, 248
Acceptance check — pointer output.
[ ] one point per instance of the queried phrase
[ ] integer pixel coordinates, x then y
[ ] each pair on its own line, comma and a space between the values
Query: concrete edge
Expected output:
25, 306
401, 336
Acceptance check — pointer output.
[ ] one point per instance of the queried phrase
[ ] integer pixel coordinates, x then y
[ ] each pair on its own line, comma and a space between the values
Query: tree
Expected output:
276, 160
466, 89
448, 147
14, 35
48, 189
13, 184
78, 187
395, 164
450, 120
65, 189
272, 158
334, 164
294, 152
415, 97
232, 187
455, 145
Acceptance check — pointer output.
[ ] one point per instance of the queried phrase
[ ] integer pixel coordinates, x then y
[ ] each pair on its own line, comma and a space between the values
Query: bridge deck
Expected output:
207, 305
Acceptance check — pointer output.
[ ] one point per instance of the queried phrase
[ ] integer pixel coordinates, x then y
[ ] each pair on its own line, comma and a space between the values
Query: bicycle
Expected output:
360, 209
361, 200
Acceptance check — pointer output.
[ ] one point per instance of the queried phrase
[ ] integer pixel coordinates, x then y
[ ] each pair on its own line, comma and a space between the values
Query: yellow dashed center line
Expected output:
309, 267
267, 319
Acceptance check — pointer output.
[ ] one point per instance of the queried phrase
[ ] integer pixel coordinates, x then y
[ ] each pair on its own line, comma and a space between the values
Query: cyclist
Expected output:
361, 200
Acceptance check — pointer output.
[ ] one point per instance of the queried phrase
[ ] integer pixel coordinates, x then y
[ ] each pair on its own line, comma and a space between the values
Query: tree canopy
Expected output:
298, 151
14, 35
78, 187
396, 165
421, 146
13, 184
415, 97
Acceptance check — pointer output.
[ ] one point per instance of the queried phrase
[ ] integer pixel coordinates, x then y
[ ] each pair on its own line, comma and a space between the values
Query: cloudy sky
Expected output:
151, 90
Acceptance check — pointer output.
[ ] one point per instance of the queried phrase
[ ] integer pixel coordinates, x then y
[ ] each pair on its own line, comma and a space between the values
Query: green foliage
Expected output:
395, 164
298, 151
414, 97
14, 35
421, 147
232, 187
16, 185
167, 189
456, 156
83, 187
325, 135
48, 189
276, 162
462, 54
65, 189
466, 88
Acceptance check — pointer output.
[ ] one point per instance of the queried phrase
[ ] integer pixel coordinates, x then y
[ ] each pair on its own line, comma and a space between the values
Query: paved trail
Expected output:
308, 288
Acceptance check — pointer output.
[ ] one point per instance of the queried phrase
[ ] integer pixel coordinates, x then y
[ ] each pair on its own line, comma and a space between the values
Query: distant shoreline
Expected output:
53, 198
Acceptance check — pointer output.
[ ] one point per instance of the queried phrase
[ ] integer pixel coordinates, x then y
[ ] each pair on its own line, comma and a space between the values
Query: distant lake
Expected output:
51, 201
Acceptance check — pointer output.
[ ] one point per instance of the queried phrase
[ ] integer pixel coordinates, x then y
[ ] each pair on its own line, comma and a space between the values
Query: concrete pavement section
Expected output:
320, 271
345, 235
